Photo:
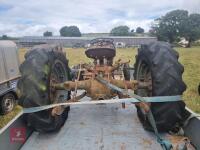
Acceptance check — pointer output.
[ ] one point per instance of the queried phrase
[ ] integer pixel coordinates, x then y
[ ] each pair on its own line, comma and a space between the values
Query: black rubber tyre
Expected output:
158, 63
7, 103
43, 64
126, 72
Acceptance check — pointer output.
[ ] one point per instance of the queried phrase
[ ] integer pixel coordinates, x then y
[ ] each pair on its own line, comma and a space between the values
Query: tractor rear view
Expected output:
47, 79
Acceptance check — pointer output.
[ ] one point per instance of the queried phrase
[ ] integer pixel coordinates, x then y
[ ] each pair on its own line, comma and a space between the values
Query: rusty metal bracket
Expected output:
58, 110
144, 105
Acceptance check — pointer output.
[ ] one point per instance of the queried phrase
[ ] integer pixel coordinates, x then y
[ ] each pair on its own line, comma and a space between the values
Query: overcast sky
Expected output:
33, 17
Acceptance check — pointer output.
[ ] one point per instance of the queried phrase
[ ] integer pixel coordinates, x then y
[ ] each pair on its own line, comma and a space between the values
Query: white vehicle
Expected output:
9, 74
120, 45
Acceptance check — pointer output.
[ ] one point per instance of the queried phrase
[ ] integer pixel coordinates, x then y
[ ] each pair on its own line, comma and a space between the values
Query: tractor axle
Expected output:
97, 90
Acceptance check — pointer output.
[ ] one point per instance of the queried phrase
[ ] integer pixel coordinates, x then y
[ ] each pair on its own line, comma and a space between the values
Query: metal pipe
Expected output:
125, 84
70, 85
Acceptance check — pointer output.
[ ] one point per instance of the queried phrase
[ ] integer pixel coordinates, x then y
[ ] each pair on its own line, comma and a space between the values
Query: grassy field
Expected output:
189, 57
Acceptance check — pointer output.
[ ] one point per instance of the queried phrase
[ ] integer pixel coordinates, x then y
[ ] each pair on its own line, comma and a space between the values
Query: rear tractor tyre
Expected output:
158, 64
43, 66
126, 72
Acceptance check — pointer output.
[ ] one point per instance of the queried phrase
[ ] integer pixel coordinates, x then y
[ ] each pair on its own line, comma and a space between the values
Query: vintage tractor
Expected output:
47, 79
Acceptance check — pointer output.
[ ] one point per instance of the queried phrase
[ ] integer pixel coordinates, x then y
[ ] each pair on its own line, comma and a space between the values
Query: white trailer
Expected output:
9, 73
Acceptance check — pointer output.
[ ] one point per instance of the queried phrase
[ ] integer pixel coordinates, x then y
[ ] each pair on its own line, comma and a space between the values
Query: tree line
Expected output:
66, 31
175, 25
171, 27
125, 31
74, 31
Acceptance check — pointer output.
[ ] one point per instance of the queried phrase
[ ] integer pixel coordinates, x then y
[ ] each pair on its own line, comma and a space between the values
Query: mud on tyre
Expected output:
158, 64
43, 66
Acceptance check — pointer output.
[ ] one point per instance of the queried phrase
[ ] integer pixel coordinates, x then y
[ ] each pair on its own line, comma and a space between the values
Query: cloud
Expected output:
31, 17
4, 8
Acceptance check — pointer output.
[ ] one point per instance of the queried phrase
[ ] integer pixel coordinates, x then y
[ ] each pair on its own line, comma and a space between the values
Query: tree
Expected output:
47, 33
132, 31
71, 31
4, 37
120, 31
191, 28
177, 24
169, 27
139, 30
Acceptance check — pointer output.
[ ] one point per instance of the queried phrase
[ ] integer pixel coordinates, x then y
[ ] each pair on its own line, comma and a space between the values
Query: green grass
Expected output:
6, 118
189, 57
77, 56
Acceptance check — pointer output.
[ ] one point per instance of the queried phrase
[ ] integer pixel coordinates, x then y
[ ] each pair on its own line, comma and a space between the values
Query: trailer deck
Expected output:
98, 127
105, 126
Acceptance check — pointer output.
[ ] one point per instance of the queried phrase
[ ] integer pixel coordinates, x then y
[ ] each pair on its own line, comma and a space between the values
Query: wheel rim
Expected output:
144, 75
58, 75
8, 102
